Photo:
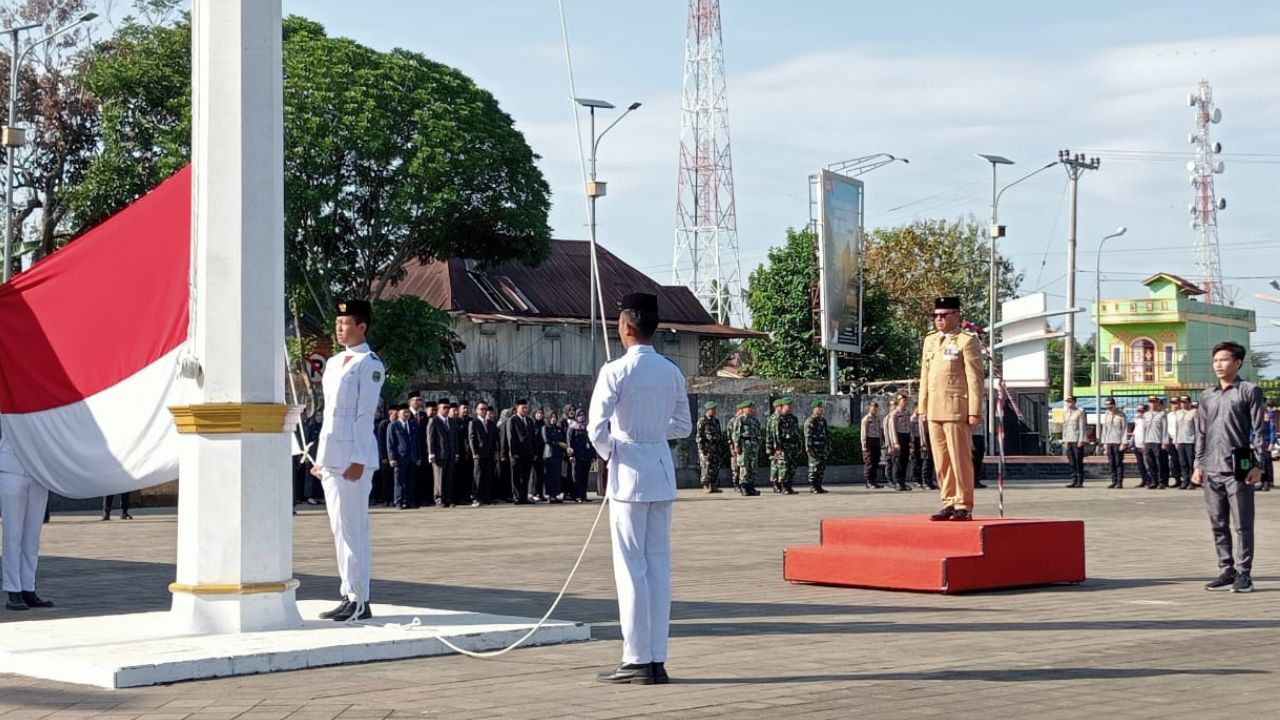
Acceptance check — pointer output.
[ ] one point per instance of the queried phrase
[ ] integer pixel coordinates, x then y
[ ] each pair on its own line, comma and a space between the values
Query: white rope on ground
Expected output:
416, 623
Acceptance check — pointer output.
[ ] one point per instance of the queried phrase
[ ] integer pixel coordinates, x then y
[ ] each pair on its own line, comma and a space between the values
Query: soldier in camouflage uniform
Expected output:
745, 438
784, 446
816, 445
730, 452
710, 440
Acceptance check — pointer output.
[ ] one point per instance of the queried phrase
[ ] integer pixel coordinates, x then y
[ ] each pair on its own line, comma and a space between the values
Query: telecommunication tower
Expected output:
706, 242
1204, 210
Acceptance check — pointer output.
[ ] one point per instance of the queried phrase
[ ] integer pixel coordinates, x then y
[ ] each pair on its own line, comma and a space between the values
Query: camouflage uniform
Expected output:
734, 460
784, 446
709, 440
816, 445
746, 439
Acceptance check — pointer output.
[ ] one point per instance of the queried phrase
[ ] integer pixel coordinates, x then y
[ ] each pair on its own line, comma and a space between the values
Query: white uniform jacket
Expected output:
650, 391
352, 384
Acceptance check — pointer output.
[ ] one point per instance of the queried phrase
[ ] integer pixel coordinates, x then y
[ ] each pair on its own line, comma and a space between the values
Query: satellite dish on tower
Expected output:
1216, 117
1222, 203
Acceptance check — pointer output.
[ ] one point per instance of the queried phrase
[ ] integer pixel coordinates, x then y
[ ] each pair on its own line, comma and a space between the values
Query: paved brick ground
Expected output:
1141, 639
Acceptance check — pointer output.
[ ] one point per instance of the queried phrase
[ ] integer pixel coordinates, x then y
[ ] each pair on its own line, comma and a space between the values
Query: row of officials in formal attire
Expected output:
1161, 439
444, 453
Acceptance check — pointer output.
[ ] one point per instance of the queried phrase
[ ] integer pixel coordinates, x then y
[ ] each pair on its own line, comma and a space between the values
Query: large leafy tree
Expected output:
389, 157
779, 294
904, 269
59, 114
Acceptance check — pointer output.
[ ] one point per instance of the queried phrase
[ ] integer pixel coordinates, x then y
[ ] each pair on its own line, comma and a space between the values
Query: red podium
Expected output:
910, 552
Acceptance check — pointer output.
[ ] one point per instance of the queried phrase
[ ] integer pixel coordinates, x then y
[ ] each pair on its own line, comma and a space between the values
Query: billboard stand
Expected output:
837, 220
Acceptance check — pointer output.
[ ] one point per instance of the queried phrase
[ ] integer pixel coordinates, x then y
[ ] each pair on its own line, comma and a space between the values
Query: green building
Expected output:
1160, 344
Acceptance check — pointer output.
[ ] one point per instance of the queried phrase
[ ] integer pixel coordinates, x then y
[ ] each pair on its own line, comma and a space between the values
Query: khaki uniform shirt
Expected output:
951, 377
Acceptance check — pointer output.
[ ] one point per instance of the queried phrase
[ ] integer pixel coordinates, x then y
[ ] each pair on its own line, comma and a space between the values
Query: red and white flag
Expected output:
89, 345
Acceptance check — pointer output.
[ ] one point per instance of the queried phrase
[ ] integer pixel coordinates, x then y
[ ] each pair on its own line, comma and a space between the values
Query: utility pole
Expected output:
1075, 164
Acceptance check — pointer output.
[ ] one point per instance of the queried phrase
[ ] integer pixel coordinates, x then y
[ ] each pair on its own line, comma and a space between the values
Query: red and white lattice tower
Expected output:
1204, 210
706, 242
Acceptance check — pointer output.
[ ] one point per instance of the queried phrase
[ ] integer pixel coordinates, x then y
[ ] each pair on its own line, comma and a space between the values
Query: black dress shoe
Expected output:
106, 517
331, 614
15, 602
660, 676
962, 515
945, 513
979, 484
126, 516
354, 611
628, 673
821, 491
33, 600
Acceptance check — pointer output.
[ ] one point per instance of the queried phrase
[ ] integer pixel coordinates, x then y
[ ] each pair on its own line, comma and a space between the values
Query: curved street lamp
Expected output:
1097, 338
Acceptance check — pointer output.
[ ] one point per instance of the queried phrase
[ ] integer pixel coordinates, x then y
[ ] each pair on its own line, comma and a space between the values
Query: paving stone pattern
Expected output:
1140, 639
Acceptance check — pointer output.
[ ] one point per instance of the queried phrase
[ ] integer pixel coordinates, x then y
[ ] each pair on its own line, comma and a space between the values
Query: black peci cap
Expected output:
640, 302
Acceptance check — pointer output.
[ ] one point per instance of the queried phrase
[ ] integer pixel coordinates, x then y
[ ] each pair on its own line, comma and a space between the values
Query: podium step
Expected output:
910, 552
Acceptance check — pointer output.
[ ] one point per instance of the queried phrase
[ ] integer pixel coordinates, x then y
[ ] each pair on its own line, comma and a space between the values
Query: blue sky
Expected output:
814, 82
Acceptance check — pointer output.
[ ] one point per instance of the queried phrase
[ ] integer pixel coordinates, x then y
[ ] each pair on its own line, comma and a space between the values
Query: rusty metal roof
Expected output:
556, 289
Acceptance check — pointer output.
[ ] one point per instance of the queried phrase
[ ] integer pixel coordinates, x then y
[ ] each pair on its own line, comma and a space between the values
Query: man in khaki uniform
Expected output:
951, 403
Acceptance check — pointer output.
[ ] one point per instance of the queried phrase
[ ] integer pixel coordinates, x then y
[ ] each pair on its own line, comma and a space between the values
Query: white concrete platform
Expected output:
134, 650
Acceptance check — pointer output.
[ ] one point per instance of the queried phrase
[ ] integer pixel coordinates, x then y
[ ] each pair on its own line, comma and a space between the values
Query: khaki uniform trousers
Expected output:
952, 445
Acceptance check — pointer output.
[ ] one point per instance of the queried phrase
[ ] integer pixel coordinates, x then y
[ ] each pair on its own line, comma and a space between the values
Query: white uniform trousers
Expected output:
641, 534
348, 505
22, 504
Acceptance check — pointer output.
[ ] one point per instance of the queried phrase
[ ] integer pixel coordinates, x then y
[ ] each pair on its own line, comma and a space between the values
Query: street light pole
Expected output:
13, 138
1075, 165
1097, 321
993, 233
596, 189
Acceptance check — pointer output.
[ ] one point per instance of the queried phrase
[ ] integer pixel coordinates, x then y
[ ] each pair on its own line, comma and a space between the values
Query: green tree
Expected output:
779, 297
59, 115
410, 336
1083, 370
925, 259
389, 157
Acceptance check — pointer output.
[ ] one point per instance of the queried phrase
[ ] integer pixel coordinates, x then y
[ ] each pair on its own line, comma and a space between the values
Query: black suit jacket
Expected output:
520, 434
482, 438
441, 447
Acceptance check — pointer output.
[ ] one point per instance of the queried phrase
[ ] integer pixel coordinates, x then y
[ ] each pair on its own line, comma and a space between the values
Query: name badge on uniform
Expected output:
950, 351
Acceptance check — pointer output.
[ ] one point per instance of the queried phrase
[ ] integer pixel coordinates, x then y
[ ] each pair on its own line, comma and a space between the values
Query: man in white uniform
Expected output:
348, 454
639, 403
22, 502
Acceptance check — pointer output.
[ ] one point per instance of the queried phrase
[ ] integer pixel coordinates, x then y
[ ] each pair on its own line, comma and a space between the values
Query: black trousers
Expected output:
403, 476
502, 481
1187, 456
482, 479
1157, 464
1230, 502
1140, 457
463, 477
107, 501
443, 486
384, 484
520, 478
1075, 460
917, 457
538, 480
871, 460
581, 471
1175, 466
901, 458
1115, 459
979, 452
423, 479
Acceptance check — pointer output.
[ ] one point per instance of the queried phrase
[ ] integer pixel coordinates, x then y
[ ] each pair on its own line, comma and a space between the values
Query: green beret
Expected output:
815, 404
710, 405
745, 404
782, 401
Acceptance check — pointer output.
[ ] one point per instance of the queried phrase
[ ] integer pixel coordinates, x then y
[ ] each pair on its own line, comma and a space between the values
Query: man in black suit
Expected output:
403, 457
419, 419
482, 441
384, 483
520, 447
442, 451
463, 467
